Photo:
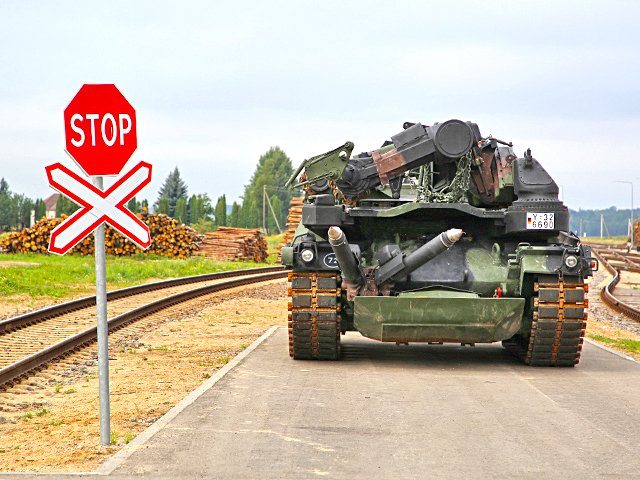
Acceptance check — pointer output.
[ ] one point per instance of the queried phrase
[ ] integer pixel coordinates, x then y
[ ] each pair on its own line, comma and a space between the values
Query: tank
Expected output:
441, 235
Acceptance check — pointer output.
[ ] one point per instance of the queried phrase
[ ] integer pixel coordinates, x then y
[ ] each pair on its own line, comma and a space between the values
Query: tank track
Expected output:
558, 325
314, 315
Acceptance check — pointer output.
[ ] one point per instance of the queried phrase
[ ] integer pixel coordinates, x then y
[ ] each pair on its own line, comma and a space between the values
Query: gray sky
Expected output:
216, 84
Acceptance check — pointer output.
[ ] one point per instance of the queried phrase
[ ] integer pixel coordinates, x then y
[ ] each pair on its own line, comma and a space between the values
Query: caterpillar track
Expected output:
314, 315
558, 324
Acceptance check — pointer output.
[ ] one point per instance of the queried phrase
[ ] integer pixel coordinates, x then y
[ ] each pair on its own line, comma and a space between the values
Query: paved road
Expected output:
404, 412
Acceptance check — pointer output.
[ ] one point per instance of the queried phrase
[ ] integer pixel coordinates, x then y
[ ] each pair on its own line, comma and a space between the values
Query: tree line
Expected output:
264, 200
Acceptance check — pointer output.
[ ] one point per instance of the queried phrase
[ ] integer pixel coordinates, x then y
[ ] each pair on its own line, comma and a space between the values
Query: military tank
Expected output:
441, 235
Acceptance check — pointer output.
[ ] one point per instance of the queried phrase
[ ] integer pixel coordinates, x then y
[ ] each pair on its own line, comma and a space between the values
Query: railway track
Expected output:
30, 341
616, 261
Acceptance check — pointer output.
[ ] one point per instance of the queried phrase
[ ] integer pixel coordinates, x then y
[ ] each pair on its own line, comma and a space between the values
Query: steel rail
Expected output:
11, 373
21, 321
607, 293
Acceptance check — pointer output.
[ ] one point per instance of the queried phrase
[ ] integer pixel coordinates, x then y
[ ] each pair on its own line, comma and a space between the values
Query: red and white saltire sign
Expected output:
98, 207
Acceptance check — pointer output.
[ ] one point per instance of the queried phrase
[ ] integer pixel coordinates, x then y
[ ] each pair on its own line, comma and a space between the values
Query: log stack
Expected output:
233, 244
293, 219
168, 238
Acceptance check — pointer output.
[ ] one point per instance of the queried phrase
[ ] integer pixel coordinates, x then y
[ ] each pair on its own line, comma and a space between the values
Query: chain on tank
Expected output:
454, 192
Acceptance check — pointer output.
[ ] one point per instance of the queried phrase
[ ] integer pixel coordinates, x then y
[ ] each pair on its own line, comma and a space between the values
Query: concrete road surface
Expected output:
417, 411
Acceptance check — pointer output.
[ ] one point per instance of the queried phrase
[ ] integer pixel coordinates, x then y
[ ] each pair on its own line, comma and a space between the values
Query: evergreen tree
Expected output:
250, 214
172, 189
134, 205
234, 220
181, 211
273, 170
65, 206
220, 212
194, 210
40, 208
162, 206
23, 205
8, 211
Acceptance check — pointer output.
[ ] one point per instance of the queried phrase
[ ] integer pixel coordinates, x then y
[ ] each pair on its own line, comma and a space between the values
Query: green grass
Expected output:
273, 247
72, 275
621, 239
631, 346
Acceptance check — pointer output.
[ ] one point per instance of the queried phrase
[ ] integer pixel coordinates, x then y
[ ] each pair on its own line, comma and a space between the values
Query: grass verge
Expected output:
58, 277
619, 240
623, 344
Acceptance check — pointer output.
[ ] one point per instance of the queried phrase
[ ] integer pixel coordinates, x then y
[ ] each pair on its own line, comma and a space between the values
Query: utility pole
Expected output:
601, 224
264, 209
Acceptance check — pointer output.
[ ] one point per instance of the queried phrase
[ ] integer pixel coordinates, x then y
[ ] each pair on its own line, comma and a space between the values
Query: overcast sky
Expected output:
216, 84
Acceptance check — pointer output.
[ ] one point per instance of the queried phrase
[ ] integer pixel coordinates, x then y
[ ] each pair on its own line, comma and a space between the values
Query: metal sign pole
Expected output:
103, 329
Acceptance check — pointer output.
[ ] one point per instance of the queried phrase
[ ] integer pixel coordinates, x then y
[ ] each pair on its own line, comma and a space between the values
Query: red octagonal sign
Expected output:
100, 129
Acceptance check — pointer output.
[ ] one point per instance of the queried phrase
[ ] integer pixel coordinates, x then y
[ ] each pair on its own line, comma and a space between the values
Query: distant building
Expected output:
50, 205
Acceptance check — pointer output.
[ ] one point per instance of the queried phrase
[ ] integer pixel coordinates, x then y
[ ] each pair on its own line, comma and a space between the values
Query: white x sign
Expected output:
98, 207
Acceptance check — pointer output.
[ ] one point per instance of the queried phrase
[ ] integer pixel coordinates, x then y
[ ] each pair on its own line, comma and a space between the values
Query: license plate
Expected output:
540, 221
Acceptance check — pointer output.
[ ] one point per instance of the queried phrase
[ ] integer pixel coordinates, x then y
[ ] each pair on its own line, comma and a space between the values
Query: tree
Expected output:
273, 170
23, 206
181, 211
8, 210
65, 206
40, 208
220, 211
134, 205
15, 208
162, 206
194, 209
172, 189
234, 220
200, 208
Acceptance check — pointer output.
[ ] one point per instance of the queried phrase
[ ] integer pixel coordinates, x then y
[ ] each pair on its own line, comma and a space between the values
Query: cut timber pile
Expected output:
636, 233
228, 243
293, 219
168, 238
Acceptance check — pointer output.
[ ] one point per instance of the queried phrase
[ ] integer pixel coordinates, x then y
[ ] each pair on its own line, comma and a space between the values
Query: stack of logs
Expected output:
168, 238
229, 243
293, 219
636, 232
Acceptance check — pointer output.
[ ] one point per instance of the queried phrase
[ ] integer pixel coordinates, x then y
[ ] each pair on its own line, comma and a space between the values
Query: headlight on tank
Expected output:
307, 255
571, 261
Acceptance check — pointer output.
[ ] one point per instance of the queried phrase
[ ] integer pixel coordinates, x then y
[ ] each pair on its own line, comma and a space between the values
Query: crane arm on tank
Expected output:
328, 165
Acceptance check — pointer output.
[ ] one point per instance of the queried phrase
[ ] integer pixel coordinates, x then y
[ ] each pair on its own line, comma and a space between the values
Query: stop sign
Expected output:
100, 129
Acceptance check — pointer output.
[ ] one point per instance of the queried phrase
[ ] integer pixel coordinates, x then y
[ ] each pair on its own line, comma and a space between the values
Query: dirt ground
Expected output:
50, 423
